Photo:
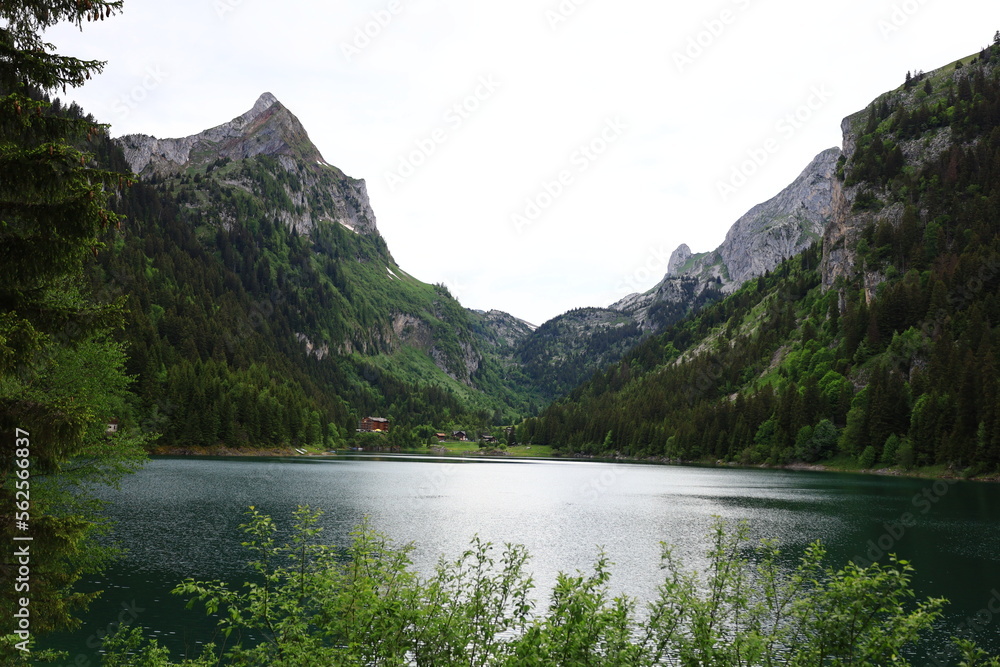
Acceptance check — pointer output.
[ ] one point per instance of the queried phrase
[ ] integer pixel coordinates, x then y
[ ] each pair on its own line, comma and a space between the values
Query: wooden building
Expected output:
374, 425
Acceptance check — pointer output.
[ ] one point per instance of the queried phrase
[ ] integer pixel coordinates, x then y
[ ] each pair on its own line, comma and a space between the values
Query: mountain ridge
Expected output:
267, 129
876, 350
255, 257
757, 242
274, 128
570, 347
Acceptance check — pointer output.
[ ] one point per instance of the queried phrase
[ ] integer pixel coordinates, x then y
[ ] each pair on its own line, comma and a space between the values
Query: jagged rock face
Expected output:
760, 240
413, 331
678, 259
268, 129
675, 293
465, 369
841, 236
847, 225
502, 330
783, 226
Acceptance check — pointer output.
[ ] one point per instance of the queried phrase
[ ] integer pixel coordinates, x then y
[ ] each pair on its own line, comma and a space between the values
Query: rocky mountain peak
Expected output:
321, 192
263, 103
678, 258
268, 128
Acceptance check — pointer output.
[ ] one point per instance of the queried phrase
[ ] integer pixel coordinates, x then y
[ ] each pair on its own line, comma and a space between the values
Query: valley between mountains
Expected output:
267, 311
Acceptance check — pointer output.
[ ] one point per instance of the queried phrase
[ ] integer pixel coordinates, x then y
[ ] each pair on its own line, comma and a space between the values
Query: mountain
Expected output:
568, 349
877, 347
270, 130
765, 236
265, 308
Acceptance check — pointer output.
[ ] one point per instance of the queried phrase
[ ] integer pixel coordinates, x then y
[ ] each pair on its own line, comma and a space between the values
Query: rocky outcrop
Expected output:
783, 226
849, 221
268, 129
666, 303
678, 258
312, 349
462, 369
769, 233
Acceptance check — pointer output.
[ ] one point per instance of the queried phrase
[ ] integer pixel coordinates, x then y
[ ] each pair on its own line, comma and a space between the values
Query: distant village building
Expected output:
441, 436
461, 436
489, 439
112, 427
374, 425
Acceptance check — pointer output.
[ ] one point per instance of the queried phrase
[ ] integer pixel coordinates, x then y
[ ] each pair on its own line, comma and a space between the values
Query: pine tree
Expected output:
53, 207
61, 380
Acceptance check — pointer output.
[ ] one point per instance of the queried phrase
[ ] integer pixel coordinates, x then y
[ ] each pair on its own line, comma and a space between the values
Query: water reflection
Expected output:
180, 517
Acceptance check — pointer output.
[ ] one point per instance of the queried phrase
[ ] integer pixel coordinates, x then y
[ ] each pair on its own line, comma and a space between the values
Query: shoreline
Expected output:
223, 451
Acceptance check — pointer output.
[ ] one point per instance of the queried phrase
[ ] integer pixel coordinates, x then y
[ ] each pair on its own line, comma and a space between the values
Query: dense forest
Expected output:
896, 364
568, 349
244, 331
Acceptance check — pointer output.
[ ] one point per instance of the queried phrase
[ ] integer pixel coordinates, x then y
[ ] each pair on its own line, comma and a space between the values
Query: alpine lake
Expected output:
180, 517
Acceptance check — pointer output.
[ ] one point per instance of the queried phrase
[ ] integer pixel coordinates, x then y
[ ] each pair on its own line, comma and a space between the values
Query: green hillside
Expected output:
880, 345
246, 331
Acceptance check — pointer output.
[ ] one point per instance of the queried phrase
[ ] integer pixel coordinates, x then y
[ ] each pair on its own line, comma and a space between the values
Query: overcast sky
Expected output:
533, 155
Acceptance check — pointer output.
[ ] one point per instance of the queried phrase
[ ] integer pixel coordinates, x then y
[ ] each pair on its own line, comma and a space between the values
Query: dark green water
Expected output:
179, 518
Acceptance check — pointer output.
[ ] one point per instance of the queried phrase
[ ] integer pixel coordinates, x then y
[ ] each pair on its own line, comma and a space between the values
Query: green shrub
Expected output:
316, 605
890, 452
906, 456
868, 457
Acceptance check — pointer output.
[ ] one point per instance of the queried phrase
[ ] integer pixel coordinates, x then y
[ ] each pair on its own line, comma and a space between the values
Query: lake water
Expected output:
179, 518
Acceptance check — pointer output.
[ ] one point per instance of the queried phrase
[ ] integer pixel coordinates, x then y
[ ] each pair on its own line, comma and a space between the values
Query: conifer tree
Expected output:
61, 378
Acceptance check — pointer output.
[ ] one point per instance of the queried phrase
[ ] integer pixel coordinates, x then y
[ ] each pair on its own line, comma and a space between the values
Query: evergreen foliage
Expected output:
227, 298
568, 349
62, 377
911, 364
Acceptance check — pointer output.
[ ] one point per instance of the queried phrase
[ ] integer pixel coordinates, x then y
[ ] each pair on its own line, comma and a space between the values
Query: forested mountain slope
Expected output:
881, 344
265, 308
568, 349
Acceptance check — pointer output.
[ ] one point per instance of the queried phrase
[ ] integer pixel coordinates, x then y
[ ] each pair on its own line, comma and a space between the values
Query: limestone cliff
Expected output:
316, 189
859, 200
766, 235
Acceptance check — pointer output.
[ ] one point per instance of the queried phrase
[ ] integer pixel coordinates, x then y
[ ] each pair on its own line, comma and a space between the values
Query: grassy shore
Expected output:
448, 448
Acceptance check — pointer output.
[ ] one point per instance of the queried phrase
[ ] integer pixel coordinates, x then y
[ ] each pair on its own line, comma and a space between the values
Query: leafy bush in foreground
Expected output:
316, 605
